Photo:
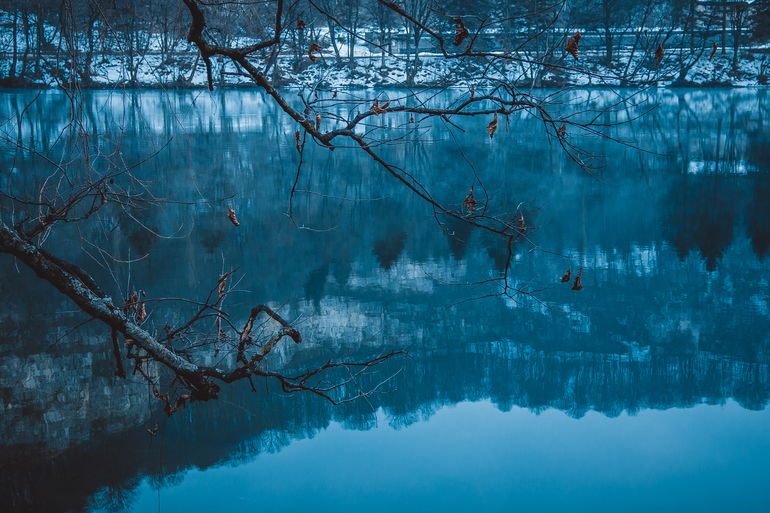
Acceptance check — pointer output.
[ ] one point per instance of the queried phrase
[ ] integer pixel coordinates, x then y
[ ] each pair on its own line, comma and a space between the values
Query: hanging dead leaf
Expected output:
473, 90
561, 132
314, 48
141, 314
317, 121
334, 95
572, 45
567, 275
221, 285
133, 301
492, 126
645, 32
713, 50
411, 118
461, 33
231, 217
152, 432
300, 25
659, 54
296, 141
522, 226
578, 284
470, 202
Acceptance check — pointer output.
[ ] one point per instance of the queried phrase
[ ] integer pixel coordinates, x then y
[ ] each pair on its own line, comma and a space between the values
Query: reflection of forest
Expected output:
244, 424
674, 310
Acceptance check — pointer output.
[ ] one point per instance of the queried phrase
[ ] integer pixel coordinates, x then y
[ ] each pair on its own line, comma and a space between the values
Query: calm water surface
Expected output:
645, 391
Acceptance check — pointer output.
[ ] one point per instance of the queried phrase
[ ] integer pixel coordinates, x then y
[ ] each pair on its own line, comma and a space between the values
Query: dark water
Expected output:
646, 390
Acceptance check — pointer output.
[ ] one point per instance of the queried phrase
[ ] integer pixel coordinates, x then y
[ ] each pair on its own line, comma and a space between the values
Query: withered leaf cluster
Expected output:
377, 109
296, 141
572, 45
492, 127
578, 283
713, 50
461, 33
231, 216
300, 25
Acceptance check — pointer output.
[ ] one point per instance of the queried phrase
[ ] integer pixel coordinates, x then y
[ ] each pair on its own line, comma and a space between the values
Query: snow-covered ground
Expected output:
110, 67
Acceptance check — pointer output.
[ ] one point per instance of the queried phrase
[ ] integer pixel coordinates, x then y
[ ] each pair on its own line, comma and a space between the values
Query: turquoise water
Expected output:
647, 390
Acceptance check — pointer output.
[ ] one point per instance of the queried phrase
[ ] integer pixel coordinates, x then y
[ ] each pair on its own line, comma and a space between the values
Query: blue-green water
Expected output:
644, 391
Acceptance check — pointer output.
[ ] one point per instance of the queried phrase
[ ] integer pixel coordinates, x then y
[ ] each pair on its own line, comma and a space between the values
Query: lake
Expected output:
646, 390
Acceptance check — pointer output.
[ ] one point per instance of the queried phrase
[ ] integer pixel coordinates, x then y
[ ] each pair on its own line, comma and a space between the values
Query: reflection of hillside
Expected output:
674, 309
244, 424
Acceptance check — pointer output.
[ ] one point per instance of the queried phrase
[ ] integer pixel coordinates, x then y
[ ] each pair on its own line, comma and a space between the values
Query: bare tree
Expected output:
90, 179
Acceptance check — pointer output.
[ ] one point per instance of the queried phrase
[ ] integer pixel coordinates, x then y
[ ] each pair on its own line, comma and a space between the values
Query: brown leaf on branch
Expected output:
377, 109
572, 45
411, 118
659, 53
522, 225
492, 126
296, 141
141, 313
470, 202
221, 285
713, 50
567, 275
154, 431
231, 216
133, 302
300, 25
314, 47
461, 33
561, 132
578, 285
317, 121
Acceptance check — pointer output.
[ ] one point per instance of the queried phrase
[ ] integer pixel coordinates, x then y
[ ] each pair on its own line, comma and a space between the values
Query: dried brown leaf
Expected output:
296, 141
492, 126
578, 284
522, 225
470, 202
713, 50
300, 25
221, 285
572, 45
567, 275
659, 54
231, 217
377, 109
314, 47
141, 314
411, 118
317, 121
461, 33
561, 132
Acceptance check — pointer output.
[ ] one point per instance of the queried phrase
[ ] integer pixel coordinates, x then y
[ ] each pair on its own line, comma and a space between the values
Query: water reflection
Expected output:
673, 312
